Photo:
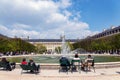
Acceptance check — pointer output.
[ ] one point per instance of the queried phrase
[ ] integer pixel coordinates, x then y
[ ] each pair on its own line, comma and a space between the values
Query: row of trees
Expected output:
105, 43
15, 44
40, 49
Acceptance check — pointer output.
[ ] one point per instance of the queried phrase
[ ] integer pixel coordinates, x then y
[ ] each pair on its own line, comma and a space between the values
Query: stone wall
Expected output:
97, 65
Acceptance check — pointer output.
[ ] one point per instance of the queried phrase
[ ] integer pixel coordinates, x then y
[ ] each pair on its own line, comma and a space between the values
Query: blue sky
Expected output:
50, 18
99, 14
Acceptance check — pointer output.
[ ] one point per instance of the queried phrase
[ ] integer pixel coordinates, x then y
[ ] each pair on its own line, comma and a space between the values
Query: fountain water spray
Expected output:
65, 50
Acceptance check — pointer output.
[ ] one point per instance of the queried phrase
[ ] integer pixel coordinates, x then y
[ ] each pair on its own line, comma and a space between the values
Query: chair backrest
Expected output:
28, 67
2, 64
75, 62
25, 67
90, 62
64, 62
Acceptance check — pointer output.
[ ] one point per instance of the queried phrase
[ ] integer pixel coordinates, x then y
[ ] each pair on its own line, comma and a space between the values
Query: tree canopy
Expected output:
105, 43
15, 44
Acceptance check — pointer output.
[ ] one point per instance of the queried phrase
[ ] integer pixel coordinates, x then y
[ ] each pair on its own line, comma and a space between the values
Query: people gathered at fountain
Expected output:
75, 62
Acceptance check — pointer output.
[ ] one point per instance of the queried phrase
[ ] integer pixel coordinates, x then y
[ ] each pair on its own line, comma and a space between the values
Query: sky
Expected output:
46, 19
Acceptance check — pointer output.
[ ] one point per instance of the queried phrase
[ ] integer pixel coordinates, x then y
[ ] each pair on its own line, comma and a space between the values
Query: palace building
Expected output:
50, 44
108, 32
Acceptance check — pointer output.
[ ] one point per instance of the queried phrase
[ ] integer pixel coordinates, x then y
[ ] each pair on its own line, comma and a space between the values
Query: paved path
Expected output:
100, 74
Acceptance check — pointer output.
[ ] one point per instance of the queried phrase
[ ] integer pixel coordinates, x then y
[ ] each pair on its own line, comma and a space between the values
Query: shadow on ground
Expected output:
118, 72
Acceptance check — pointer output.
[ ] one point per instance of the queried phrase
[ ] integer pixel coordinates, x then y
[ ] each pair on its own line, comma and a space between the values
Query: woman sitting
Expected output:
24, 62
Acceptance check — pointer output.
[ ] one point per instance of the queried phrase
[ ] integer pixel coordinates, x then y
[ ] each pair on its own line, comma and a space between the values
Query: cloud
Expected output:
18, 32
64, 4
21, 26
40, 19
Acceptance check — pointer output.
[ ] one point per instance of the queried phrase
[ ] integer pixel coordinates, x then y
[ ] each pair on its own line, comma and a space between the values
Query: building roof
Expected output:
112, 29
3, 36
51, 40
107, 32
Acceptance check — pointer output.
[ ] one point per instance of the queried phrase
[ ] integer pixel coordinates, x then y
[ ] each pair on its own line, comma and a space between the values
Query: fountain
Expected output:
65, 49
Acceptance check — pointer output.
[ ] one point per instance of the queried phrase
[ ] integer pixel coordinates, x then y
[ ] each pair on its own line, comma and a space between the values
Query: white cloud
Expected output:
40, 19
64, 3
18, 32
2, 28
21, 26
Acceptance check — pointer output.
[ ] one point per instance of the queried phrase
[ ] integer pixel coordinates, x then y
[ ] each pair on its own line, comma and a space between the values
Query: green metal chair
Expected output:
89, 64
28, 68
76, 64
64, 66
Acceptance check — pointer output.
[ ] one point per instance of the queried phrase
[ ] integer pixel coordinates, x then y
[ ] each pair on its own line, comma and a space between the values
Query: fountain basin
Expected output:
97, 65
45, 61
55, 58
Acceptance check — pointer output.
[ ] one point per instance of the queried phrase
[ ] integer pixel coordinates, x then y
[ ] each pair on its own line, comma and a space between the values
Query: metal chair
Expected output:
75, 64
64, 65
88, 64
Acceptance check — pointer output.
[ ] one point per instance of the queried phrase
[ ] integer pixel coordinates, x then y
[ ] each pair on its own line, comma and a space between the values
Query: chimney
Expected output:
104, 29
112, 27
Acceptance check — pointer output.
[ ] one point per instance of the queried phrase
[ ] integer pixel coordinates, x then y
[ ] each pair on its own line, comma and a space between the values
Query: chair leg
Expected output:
67, 70
94, 68
79, 68
86, 69
21, 72
59, 69
72, 69
39, 70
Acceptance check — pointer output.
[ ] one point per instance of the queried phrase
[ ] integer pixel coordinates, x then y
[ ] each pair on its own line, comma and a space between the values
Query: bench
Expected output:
29, 68
3, 65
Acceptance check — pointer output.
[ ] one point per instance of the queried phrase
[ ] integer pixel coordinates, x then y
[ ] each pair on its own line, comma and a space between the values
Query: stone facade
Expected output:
50, 44
108, 32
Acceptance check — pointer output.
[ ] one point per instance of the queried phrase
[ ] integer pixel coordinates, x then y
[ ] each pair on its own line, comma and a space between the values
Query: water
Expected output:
79, 51
55, 59
65, 49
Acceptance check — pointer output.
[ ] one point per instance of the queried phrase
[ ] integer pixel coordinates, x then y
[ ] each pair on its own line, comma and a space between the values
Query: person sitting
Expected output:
32, 63
13, 65
64, 63
89, 61
75, 61
9, 66
89, 57
24, 62
76, 57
